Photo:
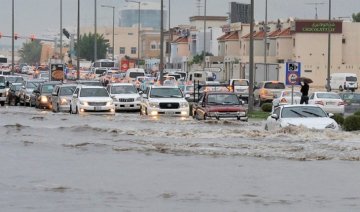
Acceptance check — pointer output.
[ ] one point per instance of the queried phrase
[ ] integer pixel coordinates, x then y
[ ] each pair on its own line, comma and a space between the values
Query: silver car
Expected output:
61, 97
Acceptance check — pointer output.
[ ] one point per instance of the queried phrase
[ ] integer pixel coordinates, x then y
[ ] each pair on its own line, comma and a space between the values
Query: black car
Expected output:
42, 95
13, 96
352, 101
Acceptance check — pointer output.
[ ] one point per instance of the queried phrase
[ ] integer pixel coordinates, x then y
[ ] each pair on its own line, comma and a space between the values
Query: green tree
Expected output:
30, 52
198, 58
86, 42
356, 17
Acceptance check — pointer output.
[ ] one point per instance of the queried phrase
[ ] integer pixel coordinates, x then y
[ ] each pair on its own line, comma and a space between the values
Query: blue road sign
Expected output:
293, 73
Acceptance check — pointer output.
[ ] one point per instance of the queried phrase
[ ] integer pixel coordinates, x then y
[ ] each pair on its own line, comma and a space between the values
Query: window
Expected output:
122, 50
343, 40
133, 50
153, 45
130, 33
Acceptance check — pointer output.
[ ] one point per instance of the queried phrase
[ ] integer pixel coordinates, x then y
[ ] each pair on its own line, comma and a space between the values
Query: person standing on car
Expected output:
305, 92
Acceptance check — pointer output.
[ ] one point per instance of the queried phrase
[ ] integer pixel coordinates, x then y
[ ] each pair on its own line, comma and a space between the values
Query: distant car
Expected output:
267, 91
43, 94
219, 105
240, 87
125, 96
27, 89
329, 101
309, 116
61, 97
89, 82
91, 99
2, 90
13, 97
189, 92
351, 100
44, 76
285, 98
164, 100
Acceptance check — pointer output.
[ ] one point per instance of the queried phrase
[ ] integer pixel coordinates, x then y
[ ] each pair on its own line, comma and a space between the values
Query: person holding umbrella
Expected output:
305, 90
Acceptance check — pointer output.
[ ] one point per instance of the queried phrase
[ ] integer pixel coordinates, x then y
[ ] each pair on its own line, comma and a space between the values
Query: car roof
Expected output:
299, 105
91, 86
118, 84
164, 86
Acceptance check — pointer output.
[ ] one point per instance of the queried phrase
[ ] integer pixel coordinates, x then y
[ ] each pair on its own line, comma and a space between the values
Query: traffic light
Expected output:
16, 36
32, 37
66, 33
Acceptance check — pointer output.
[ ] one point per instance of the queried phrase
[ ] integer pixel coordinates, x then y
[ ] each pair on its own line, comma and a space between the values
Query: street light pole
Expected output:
204, 35
161, 65
170, 36
329, 48
251, 60
12, 40
61, 31
113, 30
265, 41
95, 32
78, 43
138, 50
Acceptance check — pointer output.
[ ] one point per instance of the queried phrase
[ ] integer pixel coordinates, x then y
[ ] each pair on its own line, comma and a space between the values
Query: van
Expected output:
240, 87
201, 76
132, 73
343, 81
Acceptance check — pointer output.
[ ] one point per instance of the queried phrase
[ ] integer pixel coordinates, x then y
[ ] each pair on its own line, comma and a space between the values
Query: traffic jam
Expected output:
103, 89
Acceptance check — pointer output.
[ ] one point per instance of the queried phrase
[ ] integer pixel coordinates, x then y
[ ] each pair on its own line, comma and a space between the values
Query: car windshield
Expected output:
166, 93
288, 94
94, 92
352, 97
351, 79
302, 112
241, 83
92, 83
2, 81
32, 84
274, 85
16, 87
136, 74
13, 79
189, 88
100, 71
47, 88
328, 96
67, 91
123, 89
223, 99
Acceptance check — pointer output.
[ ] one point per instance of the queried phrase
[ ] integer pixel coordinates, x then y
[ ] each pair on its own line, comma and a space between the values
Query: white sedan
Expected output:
309, 116
92, 99
329, 101
285, 98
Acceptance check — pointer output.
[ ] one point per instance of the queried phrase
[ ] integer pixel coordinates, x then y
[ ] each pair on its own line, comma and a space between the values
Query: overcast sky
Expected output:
39, 16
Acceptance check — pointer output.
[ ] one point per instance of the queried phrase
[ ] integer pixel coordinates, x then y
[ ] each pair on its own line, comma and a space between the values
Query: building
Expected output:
239, 13
150, 13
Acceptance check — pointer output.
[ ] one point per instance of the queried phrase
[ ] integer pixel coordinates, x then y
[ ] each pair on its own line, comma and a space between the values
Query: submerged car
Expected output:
309, 116
125, 96
13, 94
61, 97
42, 95
351, 100
219, 105
91, 99
331, 102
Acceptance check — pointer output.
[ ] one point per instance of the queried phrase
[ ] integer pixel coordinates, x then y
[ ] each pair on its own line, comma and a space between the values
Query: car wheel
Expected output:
205, 116
2, 103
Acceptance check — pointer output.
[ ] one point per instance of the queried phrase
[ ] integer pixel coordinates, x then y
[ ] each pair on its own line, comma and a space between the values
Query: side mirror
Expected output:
330, 115
74, 95
54, 94
140, 92
144, 96
275, 116
187, 96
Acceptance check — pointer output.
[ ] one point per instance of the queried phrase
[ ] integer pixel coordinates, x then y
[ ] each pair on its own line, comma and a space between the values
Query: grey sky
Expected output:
37, 16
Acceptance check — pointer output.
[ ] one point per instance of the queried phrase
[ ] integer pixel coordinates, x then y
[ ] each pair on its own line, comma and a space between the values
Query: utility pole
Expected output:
316, 4
78, 43
251, 60
265, 41
329, 52
95, 32
204, 36
12, 40
61, 32
161, 65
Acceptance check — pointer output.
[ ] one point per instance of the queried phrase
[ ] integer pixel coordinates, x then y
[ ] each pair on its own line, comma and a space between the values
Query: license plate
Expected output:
169, 112
97, 108
330, 103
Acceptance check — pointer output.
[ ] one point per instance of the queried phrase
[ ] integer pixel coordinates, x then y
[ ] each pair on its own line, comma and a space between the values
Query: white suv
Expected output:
125, 96
164, 100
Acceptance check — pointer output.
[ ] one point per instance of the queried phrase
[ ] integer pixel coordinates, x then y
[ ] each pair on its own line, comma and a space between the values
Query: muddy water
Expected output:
63, 162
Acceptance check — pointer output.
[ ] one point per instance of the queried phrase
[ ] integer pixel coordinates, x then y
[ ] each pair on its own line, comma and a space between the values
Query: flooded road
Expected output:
63, 162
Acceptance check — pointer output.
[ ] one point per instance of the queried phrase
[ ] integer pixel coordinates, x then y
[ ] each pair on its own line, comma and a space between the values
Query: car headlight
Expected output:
63, 101
184, 104
84, 103
109, 103
331, 126
43, 99
154, 104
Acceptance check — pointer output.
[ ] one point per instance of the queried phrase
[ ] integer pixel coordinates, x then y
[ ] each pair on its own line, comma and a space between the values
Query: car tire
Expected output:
205, 116
2, 103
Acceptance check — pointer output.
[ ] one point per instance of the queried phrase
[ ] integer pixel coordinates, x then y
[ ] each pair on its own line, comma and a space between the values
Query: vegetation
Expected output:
86, 42
339, 118
266, 107
198, 58
352, 123
30, 52
356, 17
258, 115
357, 113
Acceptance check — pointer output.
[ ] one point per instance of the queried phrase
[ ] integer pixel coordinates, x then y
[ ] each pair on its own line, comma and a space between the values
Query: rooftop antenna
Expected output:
316, 4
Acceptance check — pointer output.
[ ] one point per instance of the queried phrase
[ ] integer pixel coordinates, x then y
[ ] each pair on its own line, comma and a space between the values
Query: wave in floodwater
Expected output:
130, 132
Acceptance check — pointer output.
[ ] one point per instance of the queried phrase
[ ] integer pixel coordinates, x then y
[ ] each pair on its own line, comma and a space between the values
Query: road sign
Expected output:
293, 73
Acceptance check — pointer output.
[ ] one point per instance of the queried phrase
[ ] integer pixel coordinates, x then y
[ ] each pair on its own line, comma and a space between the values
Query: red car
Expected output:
219, 105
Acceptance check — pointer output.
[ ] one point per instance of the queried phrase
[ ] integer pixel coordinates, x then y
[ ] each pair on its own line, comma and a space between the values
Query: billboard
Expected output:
318, 26
56, 72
